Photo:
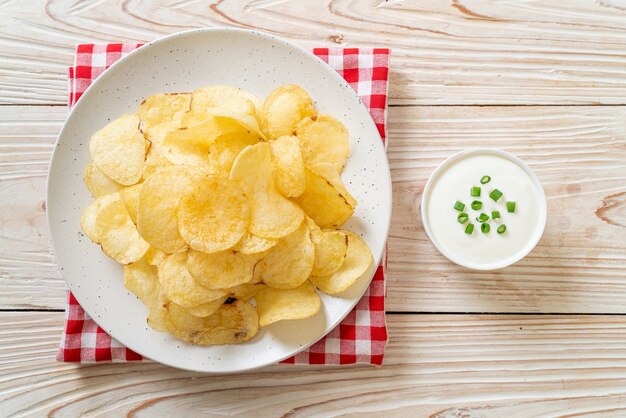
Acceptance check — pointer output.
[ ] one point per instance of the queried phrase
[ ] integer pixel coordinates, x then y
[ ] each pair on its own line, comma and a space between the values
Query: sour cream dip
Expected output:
506, 186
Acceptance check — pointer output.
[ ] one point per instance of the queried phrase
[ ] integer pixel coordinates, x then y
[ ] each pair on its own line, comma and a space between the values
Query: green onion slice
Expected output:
469, 229
475, 191
482, 218
485, 179
495, 214
485, 228
510, 207
501, 229
459, 206
477, 204
495, 194
462, 218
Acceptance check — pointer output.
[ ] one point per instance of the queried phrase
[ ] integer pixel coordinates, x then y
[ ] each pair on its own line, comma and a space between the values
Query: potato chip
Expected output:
130, 195
331, 247
288, 166
225, 98
154, 256
155, 160
118, 150
214, 216
358, 260
88, 222
162, 113
158, 318
245, 291
253, 244
157, 219
272, 215
289, 263
323, 140
323, 202
225, 149
284, 108
116, 232
221, 270
98, 183
231, 324
206, 309
180, 287
328, 171
141, 279
276, 305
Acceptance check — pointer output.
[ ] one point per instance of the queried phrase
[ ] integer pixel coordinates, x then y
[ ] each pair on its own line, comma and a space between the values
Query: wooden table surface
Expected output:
545, 80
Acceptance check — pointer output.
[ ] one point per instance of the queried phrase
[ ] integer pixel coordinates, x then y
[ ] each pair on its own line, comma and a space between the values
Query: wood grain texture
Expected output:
444, 52
579, 153
435, 365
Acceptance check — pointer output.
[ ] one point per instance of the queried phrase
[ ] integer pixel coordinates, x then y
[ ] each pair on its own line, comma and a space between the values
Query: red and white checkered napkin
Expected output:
361, 337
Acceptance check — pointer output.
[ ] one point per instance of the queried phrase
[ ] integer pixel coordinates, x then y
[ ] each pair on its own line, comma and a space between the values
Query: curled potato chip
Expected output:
245, 291
225, 98
161, 113
328, 171
158, 318
289, 263
276, 305
141, 279
154, 256
88, 222
272, 215
98, 183
157, 219
119, 150
358, 260
253, 244
206, 309
214, 216
130, 195
284, 108
221, 270
224, 150
231, 324
155, 160
323, 202
323, 139
331, 247
288, 166
115, 231
180, 287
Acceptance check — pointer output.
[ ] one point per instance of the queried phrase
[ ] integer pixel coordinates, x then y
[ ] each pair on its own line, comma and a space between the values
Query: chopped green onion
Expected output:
475, 191
510, 207
495, 194
462, 218
501, 229
459, 206
485, 228
469, 229
477, 204
495, 214
483, 218
485, 179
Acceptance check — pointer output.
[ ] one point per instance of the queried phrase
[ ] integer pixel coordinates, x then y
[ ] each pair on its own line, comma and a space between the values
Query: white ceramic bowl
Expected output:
541, 206
182, 62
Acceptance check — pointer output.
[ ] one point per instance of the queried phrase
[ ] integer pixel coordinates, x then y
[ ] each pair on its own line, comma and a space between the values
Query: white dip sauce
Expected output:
455, 183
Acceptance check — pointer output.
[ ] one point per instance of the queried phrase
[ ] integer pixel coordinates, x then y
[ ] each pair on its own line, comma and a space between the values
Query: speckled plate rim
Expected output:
383, 171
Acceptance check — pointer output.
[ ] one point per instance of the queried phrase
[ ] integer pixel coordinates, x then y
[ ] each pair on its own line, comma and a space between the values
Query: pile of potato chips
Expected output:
225, 210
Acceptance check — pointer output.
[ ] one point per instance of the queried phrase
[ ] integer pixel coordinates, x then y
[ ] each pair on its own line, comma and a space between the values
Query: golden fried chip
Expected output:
141, 279
323, 202
130, 195
272, 215
323, 139
221, 270
288, 166
358, 260
119, 151
162, 113
158, 318
331, 247
155, 160
279, 304
284, 108
154, 256
328, 171
98, 183
289, 263
88, 222
245, 291
231, 324
253, 244
214, 216
206, 309
180, 287
225, 149
157, 219
225, 98
116, 232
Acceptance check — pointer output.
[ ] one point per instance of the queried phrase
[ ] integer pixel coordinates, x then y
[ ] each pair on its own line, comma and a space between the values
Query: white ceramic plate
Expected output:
182, 62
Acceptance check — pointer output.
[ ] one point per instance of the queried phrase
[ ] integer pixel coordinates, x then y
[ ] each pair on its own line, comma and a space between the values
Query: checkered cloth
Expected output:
361, 337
